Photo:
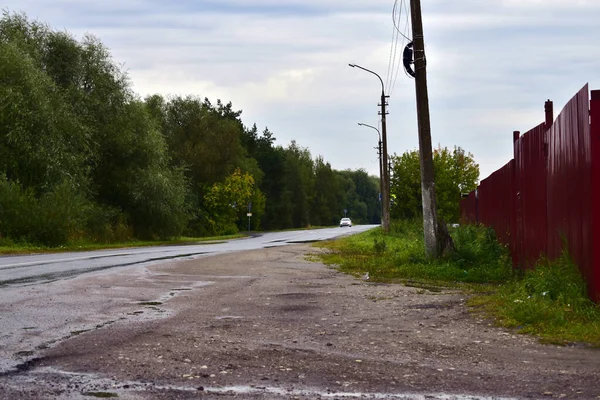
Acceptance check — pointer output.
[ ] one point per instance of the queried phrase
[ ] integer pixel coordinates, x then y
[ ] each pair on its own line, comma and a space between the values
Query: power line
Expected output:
394, 19
390, 67
395, 52
397, 29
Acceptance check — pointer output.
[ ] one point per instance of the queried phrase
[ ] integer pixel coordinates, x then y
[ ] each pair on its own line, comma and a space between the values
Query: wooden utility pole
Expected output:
385, 197
437, 240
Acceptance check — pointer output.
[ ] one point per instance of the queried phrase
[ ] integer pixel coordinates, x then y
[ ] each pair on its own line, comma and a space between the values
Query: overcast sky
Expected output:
491, 64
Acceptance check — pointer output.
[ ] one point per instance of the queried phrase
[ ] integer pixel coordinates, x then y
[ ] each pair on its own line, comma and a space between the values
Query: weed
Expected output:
550, 301
401, 256
379, 245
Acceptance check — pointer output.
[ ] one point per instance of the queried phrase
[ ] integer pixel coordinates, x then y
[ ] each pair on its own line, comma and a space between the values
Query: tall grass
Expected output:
550, 301
401, 255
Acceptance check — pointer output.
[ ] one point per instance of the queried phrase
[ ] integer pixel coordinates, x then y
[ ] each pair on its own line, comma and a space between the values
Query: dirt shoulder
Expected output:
271, 324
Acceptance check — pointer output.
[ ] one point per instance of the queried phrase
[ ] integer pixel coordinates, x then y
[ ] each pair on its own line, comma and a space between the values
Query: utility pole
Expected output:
380, 179
437, 239
380, 163
385, 195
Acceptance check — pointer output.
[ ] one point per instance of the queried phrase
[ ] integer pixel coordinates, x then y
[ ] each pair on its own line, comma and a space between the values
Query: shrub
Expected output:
379, 245
17, 209
61, 215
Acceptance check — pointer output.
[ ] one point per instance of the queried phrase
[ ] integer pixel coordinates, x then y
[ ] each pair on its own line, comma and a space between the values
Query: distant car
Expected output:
345, 222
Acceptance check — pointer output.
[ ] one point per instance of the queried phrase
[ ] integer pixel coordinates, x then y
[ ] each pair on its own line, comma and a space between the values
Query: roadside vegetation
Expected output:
84, 159
549, 302
10, 247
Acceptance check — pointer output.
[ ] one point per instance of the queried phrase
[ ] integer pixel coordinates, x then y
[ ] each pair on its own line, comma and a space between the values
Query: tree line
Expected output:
82, 157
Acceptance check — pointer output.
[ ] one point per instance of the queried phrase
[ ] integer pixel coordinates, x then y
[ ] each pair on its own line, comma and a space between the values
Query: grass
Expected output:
399, 256
549, 302
9, 247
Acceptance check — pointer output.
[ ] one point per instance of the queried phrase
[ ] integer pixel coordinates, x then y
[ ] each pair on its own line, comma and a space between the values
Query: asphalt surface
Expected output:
24, 270
269, 323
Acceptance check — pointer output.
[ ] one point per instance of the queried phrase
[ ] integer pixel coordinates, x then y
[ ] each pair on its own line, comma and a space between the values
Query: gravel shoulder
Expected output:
269, 324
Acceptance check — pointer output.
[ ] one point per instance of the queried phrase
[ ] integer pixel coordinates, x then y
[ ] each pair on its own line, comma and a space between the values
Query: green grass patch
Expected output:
400, 256
9, 247
549, 302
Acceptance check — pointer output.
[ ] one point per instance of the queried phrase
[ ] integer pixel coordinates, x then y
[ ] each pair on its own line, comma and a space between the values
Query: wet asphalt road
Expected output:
40, 268
269, 323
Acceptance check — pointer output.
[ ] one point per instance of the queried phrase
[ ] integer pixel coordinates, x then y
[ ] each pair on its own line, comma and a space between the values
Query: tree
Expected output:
325, 205
299, 189
82, 157
359, 195
271, 161
405, 186
224, 201
455, 172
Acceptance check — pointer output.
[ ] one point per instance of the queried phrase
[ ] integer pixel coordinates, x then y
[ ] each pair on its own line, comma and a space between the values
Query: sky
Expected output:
491, 65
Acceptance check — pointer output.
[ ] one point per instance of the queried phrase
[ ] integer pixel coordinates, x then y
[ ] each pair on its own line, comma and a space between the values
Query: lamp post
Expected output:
379, 154
385, 193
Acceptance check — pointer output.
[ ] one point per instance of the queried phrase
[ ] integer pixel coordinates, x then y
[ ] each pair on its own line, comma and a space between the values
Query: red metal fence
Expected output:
549, 194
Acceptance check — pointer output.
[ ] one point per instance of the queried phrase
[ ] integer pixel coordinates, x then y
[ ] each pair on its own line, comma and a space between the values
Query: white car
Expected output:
345, 222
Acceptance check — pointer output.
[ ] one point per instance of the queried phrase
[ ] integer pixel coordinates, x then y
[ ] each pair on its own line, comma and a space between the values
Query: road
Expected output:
39, 268
267, 323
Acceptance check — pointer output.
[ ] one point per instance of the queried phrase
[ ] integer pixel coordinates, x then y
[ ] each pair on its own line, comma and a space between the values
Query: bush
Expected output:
105, 224
17, 210
61, 216
160, 208
476, 244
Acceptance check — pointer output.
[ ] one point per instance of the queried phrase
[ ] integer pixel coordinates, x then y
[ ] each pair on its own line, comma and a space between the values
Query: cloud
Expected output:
491, 65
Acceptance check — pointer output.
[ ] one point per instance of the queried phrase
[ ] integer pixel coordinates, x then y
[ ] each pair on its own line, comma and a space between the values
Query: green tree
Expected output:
40, 135
271, 161
455, 172
362, 196
325, 200
299, 186
72, 133
226, 201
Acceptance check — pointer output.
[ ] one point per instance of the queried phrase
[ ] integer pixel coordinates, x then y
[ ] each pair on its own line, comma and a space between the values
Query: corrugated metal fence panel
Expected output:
594, 275
530, 179
569, 183
496, 202
468, 209
550, 193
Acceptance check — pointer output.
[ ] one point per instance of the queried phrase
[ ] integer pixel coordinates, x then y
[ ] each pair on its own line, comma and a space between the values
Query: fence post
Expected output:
594, 282
517, 206
549, 109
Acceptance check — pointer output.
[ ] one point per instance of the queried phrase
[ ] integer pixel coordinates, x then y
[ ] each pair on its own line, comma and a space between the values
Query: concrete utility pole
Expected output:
437, 239
385, 195
379, 157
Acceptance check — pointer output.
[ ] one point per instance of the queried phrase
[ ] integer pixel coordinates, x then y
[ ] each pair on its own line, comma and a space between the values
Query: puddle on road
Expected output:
312, 393
93, 383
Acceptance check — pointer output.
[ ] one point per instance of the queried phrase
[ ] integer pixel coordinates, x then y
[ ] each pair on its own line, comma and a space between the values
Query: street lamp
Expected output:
379, 154
385, 192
